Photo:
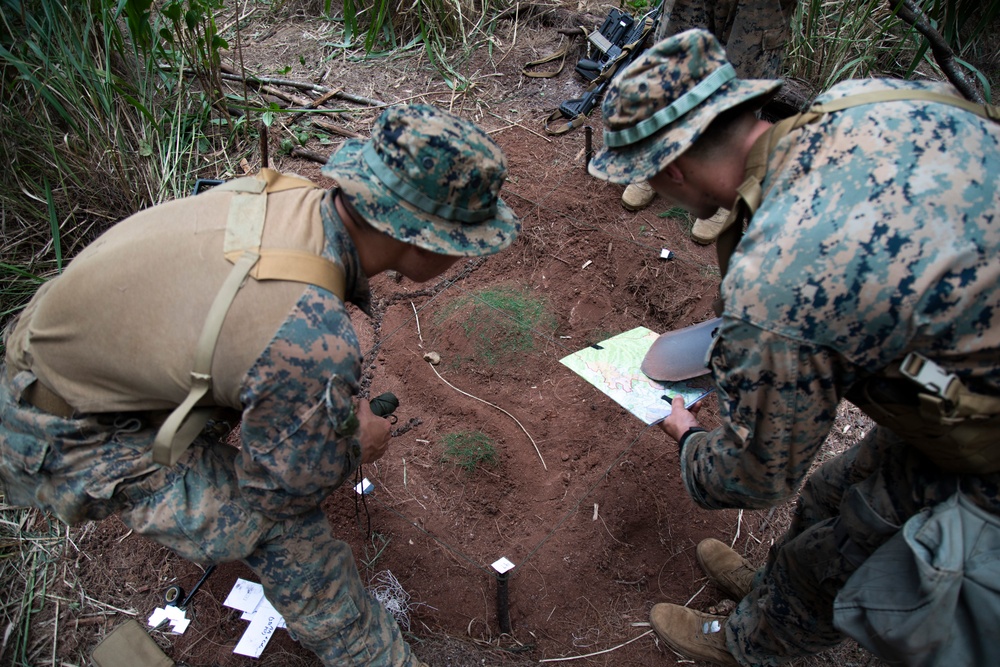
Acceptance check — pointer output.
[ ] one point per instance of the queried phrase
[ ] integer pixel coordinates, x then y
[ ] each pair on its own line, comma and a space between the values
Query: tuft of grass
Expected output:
500, 322
374, 550
468, 450
30, 548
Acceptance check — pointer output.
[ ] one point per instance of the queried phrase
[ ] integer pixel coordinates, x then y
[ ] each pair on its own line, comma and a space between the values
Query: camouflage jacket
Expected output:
878, 234
298, 428
113, 335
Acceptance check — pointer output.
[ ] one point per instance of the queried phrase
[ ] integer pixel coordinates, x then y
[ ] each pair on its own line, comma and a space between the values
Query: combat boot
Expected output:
730, 572
693, 634
706, 231
637, 196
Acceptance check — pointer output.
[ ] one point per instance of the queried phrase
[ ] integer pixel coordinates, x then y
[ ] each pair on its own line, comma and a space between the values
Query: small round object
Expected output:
385, 404
173, 595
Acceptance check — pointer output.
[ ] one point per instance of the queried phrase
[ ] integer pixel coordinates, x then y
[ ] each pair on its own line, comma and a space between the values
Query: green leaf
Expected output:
192, 19
173, 11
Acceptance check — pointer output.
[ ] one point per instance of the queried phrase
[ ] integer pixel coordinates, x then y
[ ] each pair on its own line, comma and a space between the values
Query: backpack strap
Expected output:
244, 231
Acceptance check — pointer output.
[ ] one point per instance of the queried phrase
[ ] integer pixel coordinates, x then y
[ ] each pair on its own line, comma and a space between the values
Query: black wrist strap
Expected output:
688, 433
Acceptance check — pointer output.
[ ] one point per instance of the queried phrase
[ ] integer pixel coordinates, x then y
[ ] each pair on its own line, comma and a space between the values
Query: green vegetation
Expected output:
31, 545
833, 41
98, 121
374, 548
500, 322
468, 450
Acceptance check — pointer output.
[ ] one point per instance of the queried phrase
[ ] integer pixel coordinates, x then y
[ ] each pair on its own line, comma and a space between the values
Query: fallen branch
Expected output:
492, 406
309, 155
333, 128
302, 85
945, 57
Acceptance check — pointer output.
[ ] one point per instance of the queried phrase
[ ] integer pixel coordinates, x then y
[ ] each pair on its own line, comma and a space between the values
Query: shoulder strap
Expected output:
988, 111
244, 231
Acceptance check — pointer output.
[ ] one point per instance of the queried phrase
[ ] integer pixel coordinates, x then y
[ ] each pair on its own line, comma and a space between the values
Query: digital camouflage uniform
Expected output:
754, 32
259, 504
878, 235
113, 335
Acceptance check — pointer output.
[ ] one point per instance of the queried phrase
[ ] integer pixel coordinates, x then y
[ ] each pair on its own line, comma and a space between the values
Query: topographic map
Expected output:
613, 367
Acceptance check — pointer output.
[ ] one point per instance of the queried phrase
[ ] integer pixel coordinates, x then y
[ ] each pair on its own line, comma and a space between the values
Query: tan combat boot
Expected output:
706, 231
637, 196
730, 572
693, 634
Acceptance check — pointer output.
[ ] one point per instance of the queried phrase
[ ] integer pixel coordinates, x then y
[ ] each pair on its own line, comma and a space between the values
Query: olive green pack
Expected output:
129, 646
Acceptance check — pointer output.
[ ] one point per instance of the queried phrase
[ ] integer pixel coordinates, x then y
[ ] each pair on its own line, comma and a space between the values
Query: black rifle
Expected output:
619, 40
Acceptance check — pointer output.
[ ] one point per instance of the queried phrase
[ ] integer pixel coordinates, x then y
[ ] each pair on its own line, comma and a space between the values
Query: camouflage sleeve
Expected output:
299, 428
777, 403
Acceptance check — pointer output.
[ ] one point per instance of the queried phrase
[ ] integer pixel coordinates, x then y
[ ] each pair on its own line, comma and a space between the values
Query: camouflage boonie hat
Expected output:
428, 178
660, 104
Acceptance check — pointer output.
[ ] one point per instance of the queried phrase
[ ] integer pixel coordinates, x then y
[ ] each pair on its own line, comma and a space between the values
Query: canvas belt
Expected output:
46, 400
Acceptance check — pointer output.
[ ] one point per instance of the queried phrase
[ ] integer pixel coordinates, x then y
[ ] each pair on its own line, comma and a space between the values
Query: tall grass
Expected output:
833, 41
72, 135
449, 31
92, 127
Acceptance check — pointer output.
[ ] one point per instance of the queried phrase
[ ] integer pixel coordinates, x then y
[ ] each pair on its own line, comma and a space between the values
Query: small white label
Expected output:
503, 565
364, 487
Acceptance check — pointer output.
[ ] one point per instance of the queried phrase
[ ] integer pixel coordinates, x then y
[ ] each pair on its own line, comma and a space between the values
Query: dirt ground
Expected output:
583, 498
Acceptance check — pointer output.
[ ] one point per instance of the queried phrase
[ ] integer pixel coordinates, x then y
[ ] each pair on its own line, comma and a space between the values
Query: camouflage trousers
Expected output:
848, 508
754, 32
89, 468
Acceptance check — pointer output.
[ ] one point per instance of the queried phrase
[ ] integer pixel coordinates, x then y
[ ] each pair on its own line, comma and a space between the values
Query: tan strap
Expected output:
553, 127
242, 247
185, 422
988, 111
265, 179
297, 266
559, 55
944, 397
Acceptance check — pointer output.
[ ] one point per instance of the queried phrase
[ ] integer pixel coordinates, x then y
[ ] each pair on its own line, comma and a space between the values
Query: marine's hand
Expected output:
374, 432
680, 418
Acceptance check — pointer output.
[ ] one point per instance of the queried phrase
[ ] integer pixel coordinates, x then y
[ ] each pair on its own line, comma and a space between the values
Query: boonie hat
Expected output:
428, 178
660, 104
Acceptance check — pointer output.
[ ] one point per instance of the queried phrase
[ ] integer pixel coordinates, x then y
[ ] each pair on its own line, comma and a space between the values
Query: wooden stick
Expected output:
514, 122
333, 128
945, 57
302, 85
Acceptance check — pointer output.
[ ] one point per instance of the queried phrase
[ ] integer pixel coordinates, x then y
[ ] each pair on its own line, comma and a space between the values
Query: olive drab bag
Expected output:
931, 594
